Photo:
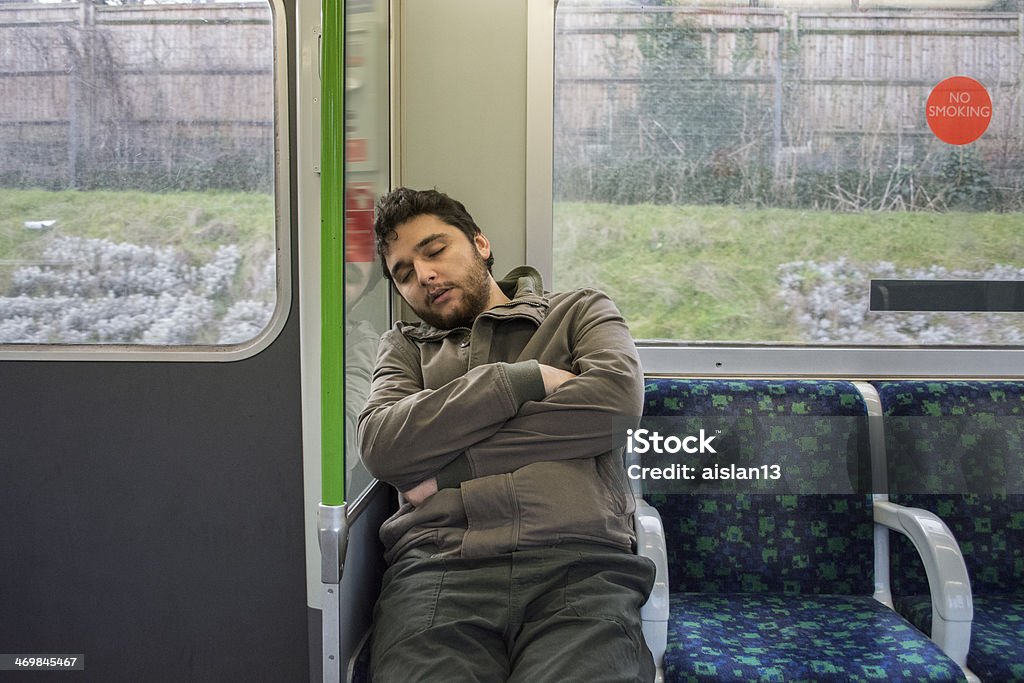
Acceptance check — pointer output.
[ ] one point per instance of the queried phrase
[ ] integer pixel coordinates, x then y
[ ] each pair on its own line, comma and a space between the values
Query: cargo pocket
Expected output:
611, 587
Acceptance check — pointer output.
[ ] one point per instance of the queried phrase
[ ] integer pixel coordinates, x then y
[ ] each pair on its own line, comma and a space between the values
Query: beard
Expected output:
475, 288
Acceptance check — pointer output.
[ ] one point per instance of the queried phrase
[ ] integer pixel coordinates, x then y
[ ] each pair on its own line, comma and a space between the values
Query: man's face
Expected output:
440, 272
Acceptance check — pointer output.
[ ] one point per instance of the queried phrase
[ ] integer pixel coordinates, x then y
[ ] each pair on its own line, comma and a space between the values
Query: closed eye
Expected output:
401, 276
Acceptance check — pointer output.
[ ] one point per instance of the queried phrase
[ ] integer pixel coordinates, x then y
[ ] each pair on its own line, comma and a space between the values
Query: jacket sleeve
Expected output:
408, 433
574, 421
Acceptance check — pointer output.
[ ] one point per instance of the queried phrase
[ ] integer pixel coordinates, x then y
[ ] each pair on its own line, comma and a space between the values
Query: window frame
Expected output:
283, 253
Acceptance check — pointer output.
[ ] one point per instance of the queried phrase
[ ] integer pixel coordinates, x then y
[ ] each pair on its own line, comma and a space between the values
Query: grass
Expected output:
710, 273
705, 273
194, 222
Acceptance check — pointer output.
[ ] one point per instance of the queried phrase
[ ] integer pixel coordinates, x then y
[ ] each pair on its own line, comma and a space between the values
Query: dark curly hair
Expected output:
403, 204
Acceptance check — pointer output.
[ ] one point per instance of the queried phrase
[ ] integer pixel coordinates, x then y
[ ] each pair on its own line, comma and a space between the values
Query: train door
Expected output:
151, 471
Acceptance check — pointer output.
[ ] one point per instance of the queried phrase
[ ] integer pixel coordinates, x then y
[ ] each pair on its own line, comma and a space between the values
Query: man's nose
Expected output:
425, 273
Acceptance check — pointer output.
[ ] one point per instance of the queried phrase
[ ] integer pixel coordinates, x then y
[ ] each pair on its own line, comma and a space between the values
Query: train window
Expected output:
139, 174
775, 173
367, 172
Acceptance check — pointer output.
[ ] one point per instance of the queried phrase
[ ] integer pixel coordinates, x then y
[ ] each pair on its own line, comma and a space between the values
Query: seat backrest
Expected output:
951, 445
771, 542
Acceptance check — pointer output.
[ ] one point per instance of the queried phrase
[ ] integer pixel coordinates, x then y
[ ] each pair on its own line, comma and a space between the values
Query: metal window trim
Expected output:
842, 362
540, 98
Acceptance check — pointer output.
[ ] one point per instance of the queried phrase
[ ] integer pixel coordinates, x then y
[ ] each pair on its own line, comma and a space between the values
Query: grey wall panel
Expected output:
463, 112
153, 516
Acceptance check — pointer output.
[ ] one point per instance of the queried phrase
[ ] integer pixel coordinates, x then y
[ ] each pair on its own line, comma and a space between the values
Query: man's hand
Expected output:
418, 494
553, 377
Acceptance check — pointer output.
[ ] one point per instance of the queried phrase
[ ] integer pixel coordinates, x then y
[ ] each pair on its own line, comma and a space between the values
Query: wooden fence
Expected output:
837, 89
100, 96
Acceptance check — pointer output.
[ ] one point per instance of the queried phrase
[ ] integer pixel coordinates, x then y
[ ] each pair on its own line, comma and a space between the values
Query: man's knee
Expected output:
597, 634
432, 623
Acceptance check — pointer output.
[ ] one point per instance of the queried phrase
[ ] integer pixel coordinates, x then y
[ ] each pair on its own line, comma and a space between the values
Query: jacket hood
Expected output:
521, 282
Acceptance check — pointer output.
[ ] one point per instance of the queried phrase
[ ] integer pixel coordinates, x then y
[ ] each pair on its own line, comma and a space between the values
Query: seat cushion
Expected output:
917, 609
997, 633
954, 436
745, 543
743, 637
761, 541
990, 531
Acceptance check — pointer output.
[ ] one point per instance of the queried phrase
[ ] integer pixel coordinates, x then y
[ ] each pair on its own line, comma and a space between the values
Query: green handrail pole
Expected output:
332, 251
331, 521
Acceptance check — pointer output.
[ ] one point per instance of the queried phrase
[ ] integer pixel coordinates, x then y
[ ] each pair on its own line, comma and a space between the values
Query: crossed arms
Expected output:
499, 417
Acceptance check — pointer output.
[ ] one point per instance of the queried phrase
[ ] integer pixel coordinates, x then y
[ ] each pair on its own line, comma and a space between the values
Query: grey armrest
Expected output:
948, 583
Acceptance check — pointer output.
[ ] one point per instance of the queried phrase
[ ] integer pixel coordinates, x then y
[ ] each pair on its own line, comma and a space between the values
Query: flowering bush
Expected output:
98, 291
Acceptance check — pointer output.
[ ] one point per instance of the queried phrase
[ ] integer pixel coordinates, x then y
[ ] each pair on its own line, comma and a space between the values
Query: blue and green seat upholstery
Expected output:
778, 586
956, 448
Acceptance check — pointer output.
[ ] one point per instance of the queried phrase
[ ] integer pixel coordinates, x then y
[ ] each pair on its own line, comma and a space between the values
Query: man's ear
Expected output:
483, 245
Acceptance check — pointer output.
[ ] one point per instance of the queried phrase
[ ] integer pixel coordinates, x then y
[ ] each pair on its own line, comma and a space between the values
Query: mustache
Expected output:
435, 292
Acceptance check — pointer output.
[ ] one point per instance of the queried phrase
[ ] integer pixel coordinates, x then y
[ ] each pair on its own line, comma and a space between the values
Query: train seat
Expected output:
780, 586
966, 468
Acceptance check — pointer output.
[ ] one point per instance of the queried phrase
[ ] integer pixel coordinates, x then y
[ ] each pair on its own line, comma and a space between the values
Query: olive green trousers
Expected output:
565, 613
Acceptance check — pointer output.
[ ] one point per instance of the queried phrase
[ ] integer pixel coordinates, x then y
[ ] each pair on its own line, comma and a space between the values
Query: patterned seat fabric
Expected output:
744, 637
754, 543
995, 633
981, 423
778, 587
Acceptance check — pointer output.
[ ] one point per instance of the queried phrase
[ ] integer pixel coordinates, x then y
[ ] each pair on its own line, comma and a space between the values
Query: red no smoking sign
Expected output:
959, 110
